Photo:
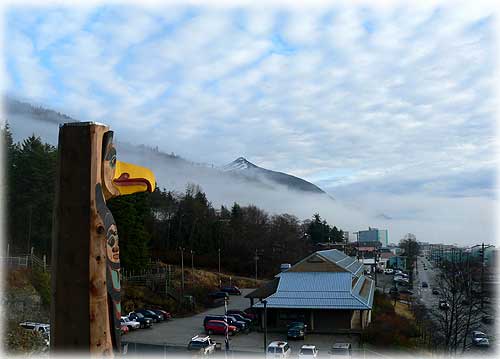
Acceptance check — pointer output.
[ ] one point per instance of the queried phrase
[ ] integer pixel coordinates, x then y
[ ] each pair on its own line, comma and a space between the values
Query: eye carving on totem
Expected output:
112, 249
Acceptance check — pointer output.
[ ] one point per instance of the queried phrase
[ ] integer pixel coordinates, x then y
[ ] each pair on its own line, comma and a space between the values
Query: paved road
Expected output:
431, 301
179, 331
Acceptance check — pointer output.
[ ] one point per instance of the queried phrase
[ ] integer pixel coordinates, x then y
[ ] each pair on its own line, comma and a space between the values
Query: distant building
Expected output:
326, 290
374, 235
345, 235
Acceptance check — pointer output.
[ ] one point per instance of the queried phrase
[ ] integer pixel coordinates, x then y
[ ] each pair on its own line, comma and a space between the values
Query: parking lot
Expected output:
174, 335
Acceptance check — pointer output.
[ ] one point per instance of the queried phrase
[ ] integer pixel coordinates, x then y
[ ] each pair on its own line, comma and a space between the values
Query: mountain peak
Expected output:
241, 163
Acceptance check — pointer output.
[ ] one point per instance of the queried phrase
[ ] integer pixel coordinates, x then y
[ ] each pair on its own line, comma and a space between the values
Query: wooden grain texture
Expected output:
79, 320
100, 339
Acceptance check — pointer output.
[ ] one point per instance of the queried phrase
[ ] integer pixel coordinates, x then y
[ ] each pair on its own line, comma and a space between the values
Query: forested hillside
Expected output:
157, 225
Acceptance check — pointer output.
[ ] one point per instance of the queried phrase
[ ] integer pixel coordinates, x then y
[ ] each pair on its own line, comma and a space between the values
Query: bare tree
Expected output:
462, 312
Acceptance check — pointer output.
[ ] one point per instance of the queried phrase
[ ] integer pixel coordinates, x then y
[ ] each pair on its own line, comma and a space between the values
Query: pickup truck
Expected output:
203, 345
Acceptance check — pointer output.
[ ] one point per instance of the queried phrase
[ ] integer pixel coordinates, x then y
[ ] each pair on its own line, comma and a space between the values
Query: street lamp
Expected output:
265, 324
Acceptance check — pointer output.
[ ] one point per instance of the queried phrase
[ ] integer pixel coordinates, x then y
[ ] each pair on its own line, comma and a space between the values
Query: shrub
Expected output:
19, 340
41, 282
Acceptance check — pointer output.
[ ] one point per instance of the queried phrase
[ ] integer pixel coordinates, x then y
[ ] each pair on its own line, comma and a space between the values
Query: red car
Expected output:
166, 315
124, 329
219, 327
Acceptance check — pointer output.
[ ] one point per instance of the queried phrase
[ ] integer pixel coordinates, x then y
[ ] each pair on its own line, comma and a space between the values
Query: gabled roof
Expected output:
321, 290
341, 259
265, 291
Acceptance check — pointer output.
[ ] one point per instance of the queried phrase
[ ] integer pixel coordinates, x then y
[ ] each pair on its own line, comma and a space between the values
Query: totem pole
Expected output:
85, 307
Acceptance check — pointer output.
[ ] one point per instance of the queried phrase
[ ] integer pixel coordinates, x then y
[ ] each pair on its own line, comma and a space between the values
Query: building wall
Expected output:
370, 235
328, 321
317, 320
383, 237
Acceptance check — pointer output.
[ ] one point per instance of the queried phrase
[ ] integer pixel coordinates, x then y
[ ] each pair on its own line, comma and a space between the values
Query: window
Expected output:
306, 351
270, 350
286, 347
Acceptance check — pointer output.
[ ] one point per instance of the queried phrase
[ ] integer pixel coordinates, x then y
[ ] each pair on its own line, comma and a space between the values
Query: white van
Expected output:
278, 349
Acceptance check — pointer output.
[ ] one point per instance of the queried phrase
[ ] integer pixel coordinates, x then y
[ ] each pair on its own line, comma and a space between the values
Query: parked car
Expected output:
219, 327
251, 312
340, 350
425, 285
131, 324
42, 329
241, 318
435, 291
218, 295
166, 315
389, 271
123, 329
149, 314
202, 344
231, 290
480, 339
145, 322
278, 349
443, 304
308, 351
296, 330
241, 326
244, 314
487, 319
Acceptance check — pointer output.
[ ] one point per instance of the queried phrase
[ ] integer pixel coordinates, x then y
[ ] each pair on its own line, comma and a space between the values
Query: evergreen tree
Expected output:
130, 213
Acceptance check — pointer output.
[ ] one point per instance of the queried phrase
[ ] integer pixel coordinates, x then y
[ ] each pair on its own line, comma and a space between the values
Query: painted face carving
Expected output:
108, 166
112, 249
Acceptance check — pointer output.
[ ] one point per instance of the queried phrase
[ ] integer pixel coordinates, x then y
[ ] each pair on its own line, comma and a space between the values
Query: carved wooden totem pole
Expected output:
85, 308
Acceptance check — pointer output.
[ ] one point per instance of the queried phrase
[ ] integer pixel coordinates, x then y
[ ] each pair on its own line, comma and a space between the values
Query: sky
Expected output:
390, 108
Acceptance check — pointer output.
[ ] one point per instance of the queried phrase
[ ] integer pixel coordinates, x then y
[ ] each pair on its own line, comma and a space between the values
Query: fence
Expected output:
156, 277
25, 260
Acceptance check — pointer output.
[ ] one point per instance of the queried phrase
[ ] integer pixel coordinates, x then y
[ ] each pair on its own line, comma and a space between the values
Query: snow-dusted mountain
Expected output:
173, 172
239, 181
246, 168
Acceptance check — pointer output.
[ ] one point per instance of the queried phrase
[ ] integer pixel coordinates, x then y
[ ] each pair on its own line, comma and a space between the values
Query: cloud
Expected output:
379, 99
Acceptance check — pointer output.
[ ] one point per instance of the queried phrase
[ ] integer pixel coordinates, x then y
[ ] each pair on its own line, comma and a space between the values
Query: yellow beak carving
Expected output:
131, 178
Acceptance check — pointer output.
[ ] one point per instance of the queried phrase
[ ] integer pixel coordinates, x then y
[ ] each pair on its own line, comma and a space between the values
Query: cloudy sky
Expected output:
389, 107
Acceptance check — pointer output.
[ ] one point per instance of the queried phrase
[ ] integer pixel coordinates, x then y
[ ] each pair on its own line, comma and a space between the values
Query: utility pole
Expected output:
192, 264
226, 339
219, 262
482, 275
29, 227
265, 324
182, 270
256, 259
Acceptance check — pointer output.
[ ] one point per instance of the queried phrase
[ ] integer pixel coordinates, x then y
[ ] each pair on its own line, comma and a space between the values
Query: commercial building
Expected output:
326, 290
374, 235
